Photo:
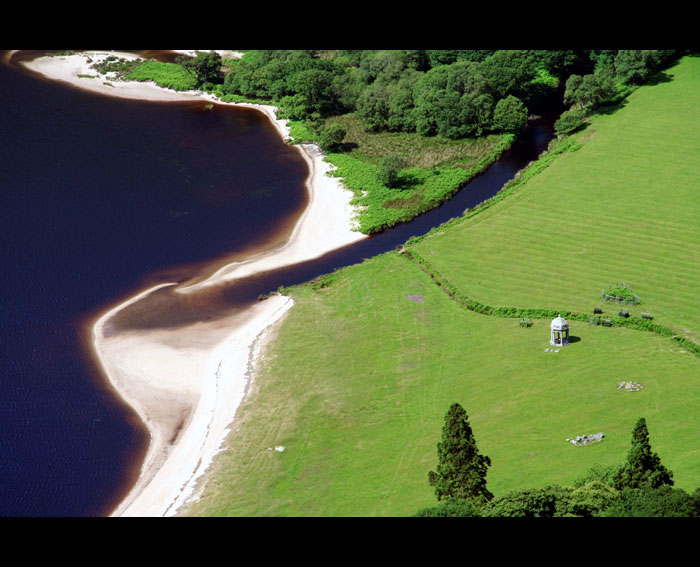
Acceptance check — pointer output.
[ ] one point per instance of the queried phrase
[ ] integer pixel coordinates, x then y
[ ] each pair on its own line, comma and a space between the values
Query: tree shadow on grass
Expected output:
345, 147
611, 107
406, 181
659, 78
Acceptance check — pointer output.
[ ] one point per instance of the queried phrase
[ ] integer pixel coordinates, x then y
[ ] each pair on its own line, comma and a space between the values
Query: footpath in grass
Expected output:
356, 385
357, 382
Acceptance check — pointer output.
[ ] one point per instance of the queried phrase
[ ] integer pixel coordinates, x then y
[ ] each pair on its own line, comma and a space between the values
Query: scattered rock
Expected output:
630, 386
280, 448
586, 439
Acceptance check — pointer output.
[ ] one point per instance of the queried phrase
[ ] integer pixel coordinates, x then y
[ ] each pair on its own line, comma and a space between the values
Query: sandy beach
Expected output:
187, 383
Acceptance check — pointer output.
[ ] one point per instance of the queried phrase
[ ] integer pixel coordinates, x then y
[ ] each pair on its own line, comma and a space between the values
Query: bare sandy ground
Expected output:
186, 384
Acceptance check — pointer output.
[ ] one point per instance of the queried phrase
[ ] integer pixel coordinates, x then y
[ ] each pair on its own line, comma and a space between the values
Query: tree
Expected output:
389, 169
591, 499
643, 468
633, 66
589, 91
332, 136
547, 502
461, 470
373, 107
315, 88
205, 65
400, 104
510, 115
569, 121
452, 101
663, 502
509, 72
450, 509
438, 57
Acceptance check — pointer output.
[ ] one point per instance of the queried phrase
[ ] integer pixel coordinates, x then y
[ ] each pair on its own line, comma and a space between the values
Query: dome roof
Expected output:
559, 324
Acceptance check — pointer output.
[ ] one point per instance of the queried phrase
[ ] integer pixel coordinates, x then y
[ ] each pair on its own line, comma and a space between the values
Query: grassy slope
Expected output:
622, 208
358, 398
357, 385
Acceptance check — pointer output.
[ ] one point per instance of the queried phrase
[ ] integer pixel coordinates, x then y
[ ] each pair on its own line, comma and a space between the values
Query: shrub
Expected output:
332, 136
510, 115
620, 293
591, 499
389, 169
570, 121
664, 502
598, 473
548, 502
168, 75
450, 509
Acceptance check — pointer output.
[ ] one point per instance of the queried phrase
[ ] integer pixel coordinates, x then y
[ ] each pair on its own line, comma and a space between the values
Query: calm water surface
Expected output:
102, 197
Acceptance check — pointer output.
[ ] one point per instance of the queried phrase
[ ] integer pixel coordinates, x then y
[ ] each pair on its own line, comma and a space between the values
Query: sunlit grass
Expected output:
418, 151
623, 208
360, 376
359, 379
168, 75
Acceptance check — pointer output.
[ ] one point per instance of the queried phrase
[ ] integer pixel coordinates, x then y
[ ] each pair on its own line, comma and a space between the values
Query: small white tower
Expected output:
560, 332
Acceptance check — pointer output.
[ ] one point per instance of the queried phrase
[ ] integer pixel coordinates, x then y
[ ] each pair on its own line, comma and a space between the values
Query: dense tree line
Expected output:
640, 487
613, 74
448, 93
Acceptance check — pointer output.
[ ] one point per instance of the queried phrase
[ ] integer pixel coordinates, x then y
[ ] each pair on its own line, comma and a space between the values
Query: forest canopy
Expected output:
453, 94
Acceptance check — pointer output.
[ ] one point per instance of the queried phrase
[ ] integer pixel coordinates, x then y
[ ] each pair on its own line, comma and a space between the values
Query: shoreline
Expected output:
186, 384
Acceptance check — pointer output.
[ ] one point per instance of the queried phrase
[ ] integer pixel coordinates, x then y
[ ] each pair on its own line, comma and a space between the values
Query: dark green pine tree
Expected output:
461, 470
643, 468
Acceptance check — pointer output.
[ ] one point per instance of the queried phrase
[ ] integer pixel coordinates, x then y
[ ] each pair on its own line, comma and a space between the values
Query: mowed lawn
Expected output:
357, 383
625, 207
359, 376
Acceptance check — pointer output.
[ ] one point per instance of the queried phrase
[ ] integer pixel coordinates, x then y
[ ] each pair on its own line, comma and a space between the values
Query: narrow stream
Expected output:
164, 308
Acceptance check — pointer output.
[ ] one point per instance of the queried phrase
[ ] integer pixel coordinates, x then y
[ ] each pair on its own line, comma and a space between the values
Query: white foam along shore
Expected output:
186, 384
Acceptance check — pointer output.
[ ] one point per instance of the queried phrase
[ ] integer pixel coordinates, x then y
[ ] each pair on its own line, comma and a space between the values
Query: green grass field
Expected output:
361, 373
168, 75
624, 207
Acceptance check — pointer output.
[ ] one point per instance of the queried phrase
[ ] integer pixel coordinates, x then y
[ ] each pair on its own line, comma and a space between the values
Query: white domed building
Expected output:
560, 332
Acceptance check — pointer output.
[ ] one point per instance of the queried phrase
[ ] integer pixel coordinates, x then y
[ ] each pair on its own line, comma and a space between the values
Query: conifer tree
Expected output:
461, 470
643, 468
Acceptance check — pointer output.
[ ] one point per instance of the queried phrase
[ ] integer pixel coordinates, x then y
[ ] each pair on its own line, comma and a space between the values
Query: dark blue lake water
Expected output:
102, 197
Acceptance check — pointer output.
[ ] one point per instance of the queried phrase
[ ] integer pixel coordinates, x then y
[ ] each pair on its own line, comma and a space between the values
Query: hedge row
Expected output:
635, 323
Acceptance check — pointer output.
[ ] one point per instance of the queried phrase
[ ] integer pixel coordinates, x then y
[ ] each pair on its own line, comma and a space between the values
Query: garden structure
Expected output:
559, 332
620, 293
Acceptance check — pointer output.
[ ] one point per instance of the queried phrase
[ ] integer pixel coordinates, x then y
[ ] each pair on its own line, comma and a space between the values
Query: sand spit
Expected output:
187, 383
